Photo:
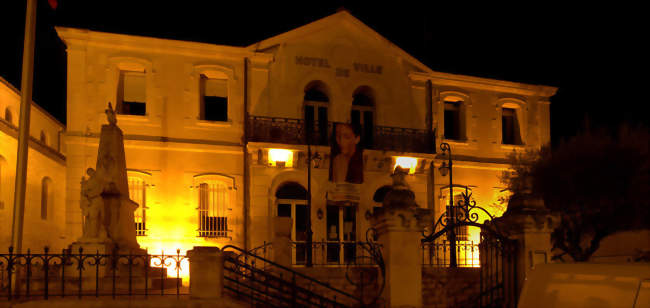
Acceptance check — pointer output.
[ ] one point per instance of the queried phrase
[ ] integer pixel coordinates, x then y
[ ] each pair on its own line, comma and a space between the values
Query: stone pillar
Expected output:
282, 240
399, 224
529, 223
206, 272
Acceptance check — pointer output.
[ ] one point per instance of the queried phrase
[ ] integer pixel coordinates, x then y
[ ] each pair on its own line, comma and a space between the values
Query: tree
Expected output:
598, 183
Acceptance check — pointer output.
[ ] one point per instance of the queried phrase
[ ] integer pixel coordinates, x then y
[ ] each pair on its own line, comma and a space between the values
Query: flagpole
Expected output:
23, 133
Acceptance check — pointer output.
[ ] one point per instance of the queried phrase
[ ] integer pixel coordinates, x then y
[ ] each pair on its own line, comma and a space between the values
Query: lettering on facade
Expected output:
367, 68
340, 71
312, 61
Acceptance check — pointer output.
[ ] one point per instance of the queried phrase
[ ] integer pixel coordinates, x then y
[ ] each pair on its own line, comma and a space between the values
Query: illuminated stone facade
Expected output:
185, 108
46, 181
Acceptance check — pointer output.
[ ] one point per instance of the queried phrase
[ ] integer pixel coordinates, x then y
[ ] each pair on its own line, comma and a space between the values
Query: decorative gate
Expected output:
497, 253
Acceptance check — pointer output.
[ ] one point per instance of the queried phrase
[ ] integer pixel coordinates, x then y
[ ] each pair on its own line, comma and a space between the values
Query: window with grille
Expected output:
462, 232
138, 193
214, 202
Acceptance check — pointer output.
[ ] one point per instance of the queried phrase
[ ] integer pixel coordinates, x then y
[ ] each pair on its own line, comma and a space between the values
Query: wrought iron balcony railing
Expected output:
294, 131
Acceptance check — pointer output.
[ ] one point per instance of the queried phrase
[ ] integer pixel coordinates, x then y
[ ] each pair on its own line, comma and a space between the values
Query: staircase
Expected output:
265, 283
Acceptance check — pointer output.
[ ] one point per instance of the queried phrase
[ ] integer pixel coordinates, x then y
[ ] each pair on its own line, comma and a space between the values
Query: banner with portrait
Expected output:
346, 165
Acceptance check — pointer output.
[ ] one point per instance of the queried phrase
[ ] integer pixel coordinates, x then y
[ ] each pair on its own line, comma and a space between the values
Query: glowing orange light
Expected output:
280, 157
406, 162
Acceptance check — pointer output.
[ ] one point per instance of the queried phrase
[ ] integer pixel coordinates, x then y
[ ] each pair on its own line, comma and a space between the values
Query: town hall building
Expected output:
219, 140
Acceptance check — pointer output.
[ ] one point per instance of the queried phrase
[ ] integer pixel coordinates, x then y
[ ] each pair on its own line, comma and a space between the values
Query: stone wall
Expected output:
335, 277
447, 287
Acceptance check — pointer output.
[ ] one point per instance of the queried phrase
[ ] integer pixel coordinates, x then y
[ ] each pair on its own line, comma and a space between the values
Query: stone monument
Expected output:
107, 211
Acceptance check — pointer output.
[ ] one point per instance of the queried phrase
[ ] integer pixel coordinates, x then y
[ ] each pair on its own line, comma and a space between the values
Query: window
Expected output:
214, 99
462, 232
214, 198
292, 202
341, 234
43, 138
362, 114
452, 120
316, 122
3, 181
46, 196
131, 93
138, 193
510, 133
8, 116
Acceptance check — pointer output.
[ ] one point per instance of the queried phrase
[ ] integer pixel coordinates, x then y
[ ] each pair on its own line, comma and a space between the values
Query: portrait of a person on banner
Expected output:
347, 155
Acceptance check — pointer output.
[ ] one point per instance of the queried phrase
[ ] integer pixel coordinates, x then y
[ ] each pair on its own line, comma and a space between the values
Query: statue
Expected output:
110, 115
92, 208
107, 210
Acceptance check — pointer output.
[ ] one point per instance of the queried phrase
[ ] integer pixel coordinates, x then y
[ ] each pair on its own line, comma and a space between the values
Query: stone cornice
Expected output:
465, 81
72, 36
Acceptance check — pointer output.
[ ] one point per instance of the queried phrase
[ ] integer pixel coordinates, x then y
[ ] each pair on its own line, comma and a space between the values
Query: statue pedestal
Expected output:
399, 231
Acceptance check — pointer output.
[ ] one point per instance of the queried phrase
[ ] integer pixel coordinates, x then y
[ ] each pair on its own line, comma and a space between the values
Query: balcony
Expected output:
293, 131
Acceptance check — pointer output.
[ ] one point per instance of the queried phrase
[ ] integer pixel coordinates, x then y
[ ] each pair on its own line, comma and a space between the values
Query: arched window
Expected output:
215, 199
8, 116
138, 183
46, 196
455, 107
363, 114
292, 202
316, 102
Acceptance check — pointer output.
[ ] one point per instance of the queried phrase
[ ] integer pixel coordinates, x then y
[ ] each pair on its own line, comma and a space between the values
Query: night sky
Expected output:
591, 53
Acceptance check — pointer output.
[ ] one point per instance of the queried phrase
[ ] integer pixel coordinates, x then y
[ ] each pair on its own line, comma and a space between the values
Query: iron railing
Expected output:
437, 254
86, 274
264, 282
293, 131
332, 253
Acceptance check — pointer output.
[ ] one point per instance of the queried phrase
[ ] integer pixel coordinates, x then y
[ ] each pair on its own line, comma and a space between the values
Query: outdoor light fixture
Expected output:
319, 214
406, 162
444, 169
280, 158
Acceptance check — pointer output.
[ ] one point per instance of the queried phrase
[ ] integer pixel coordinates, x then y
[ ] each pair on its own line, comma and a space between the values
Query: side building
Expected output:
45, 220
220, 140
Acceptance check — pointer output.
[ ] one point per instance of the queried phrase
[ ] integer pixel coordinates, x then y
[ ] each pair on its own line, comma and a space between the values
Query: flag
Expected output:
53, 4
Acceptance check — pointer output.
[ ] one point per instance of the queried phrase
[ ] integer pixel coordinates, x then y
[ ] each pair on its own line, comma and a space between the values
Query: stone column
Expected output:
206, 272
282, 240
399, 224
529, 223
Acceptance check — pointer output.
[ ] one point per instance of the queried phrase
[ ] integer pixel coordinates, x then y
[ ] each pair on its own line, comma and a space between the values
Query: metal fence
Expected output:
437, 254
294, 131
332, 254
85, 274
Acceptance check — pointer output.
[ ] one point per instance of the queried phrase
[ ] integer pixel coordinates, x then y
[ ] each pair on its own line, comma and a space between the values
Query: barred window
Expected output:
138, 193
214, 203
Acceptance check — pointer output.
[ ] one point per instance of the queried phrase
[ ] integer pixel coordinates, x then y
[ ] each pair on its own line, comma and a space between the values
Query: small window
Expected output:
362, 114
292, 202
138, 193
316, 121
341, 234
46, 196
131, 96
214, 99
510, 132
214, 204
8, 116
452, 120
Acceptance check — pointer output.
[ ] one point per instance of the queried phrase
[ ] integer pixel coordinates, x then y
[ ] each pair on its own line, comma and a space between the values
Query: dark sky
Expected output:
591, 52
